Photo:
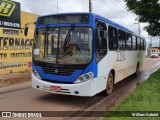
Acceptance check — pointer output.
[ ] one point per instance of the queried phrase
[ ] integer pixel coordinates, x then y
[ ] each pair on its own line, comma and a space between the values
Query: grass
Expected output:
145, 98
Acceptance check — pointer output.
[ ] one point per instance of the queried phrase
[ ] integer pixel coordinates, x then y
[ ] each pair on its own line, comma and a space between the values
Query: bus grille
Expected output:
58, 71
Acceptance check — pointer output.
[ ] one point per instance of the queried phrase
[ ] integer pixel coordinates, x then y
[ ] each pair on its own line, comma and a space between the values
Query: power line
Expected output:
118, 5
121, 6
53, 6
111, 9
42, 9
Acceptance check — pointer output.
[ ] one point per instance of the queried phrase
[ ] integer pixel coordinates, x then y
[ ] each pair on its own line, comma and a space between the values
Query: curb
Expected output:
15, 87
101, 108
101, 105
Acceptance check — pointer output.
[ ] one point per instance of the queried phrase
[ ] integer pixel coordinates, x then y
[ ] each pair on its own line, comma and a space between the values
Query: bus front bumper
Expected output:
80, 89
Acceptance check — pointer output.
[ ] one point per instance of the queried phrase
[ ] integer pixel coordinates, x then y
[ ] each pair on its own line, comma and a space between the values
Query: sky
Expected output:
114, 10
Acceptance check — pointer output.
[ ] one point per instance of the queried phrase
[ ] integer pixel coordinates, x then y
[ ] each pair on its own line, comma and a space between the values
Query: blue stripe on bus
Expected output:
60, 78
91, 68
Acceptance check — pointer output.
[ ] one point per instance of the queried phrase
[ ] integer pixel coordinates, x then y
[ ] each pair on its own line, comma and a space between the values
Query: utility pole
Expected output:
139, 27
90, 6
138, 20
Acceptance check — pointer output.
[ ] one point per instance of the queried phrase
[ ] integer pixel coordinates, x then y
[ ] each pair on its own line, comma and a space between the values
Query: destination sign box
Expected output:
64, 19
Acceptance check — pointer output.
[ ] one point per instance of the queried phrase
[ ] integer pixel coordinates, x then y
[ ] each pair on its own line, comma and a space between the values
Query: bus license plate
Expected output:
55, 88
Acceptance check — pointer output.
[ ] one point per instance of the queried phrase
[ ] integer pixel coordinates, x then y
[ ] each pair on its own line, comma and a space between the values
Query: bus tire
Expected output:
137, 70
109, 85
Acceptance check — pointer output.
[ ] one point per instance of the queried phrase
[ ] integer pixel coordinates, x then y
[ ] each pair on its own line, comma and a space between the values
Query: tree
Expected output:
149, 12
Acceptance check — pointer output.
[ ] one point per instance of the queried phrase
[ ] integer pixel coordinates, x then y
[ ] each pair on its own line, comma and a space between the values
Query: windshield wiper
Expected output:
46, 41
68, 36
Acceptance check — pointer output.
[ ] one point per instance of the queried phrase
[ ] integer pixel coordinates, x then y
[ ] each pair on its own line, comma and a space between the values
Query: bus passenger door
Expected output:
101, 41
101, 47
121, 55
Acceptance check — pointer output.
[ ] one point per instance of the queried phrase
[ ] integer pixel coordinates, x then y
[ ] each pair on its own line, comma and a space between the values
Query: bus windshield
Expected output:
63, 45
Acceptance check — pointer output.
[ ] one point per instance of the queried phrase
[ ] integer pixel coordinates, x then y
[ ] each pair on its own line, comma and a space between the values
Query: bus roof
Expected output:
115, 24
96, 16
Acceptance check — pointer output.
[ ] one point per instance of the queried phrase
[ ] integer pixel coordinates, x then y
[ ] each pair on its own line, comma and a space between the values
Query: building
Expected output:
151, 50
155, 50
15, 48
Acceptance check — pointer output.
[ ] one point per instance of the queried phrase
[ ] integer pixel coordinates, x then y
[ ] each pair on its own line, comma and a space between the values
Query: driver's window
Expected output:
101, 40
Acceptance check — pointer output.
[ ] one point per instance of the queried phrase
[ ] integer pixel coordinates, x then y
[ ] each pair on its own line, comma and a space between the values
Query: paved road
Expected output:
29, 99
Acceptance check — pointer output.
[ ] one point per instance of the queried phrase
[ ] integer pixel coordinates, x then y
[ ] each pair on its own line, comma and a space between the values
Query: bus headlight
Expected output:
84, 77
36, 74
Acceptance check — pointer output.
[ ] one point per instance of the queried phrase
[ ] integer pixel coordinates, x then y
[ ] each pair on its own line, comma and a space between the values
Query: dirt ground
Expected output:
149, 62
16, 78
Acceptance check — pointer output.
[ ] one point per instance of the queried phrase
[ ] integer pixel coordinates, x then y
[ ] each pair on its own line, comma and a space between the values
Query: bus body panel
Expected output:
88, 88
123, 62
92, 67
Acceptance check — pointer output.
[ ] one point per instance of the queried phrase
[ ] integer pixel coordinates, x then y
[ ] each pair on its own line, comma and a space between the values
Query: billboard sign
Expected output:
10, 14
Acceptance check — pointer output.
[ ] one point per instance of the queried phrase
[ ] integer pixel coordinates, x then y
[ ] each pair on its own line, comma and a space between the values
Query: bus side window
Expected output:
121, 40
101, 41
134, 43
113, 40
129, 42
138, 43
144, 44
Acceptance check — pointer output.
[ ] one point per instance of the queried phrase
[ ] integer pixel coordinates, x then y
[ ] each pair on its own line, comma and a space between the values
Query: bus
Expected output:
83, 54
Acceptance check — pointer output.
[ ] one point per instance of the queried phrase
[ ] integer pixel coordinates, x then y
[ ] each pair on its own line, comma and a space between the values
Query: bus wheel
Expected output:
109, 85
137, 70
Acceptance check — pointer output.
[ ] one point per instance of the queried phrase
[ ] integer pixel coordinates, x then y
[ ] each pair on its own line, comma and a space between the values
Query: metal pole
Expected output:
57, 6
151, 40
159, 45
139, 28
159, 42
138, 22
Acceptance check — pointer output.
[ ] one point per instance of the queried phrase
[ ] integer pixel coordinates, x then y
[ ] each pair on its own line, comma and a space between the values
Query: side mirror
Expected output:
26, 31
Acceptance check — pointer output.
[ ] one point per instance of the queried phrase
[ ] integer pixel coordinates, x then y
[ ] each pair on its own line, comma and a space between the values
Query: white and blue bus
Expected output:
83, 54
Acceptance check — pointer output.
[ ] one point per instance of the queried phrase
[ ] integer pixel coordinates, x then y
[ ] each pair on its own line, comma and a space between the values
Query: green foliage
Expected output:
149, 11
145, 98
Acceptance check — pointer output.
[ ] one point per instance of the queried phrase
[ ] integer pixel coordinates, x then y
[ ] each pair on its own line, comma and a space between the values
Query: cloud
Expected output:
114, 10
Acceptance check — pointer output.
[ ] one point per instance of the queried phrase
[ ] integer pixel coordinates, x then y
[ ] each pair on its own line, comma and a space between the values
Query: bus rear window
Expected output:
64, 19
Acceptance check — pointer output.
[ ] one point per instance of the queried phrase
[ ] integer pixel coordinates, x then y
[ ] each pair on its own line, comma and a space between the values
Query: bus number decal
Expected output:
121, 55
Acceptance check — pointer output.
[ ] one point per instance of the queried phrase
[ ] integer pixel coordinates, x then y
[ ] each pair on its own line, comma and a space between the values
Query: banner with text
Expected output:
15, 54
10, 14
